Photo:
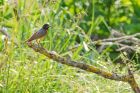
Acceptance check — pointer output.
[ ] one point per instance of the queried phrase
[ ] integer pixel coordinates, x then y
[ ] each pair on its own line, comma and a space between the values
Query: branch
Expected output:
7, 36
125, 42
67, 61
133, 83
123, 38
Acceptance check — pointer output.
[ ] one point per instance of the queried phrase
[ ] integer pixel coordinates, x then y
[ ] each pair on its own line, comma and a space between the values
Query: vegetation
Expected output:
73, 22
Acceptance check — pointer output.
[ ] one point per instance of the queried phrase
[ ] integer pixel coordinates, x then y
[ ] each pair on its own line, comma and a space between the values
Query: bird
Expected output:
39, 34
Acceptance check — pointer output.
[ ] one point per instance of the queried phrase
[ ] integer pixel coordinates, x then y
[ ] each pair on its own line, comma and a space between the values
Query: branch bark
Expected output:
133, 83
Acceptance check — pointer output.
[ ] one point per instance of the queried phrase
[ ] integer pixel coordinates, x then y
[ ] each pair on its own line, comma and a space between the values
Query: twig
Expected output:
4, 32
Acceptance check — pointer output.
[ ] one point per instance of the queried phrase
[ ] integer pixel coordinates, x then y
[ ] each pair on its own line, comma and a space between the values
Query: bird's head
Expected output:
45, 26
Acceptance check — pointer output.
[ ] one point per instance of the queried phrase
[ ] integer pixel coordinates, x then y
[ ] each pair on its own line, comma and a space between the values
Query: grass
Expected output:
25, 71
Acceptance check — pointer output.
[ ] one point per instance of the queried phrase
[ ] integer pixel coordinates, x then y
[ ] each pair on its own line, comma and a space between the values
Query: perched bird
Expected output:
40, 33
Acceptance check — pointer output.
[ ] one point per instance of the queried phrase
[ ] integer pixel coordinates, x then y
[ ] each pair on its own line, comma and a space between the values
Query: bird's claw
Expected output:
29, 43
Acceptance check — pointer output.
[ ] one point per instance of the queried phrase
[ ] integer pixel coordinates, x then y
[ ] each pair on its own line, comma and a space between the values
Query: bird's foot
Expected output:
29, 43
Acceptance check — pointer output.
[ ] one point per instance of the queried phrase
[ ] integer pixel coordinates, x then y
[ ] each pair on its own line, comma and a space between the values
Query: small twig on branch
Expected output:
4, 32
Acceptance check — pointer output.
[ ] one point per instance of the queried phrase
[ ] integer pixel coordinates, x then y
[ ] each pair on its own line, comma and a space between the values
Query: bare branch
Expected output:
125, 42
67, 61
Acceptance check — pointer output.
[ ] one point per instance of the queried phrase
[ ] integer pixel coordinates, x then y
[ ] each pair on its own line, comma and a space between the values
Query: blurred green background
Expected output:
73, 22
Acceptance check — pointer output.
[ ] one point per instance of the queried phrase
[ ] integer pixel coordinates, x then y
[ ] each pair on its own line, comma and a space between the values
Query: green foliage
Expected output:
73, 22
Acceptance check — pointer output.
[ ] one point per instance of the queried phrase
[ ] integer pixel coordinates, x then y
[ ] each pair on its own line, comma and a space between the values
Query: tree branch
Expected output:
125, 42
67, 61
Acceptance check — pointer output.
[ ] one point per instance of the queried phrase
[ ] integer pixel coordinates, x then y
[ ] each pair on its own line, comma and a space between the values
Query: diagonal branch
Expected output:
67, 61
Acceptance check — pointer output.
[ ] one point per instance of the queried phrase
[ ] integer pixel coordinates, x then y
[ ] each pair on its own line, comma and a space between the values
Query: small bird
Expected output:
40, 33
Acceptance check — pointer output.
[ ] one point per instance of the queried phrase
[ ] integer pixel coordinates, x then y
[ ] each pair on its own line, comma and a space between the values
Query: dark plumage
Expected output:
40, 33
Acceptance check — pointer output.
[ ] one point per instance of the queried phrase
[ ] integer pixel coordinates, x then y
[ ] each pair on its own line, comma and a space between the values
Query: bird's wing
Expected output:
36, 35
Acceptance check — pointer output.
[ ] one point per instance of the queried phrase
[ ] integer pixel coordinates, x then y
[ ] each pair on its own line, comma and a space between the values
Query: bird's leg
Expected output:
29, 43
38, 42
